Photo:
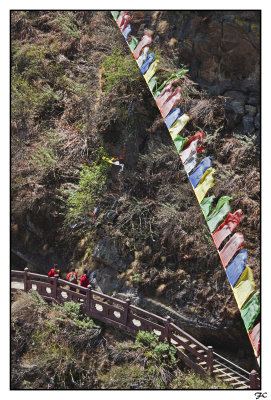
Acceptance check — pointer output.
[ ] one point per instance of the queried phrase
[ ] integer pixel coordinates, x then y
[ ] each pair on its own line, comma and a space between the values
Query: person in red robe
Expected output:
84, 281
72, 277
53, 271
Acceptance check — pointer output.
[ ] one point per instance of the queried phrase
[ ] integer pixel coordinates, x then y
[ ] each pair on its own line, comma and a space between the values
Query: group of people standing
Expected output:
72, 276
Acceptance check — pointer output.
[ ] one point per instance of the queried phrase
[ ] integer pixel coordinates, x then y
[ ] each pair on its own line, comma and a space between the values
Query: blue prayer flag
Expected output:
127, 31
150, 58
236, 267
172, 116
198, 173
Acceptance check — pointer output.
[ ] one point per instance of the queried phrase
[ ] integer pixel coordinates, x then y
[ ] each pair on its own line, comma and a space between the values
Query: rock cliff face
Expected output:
150, 241
222, 52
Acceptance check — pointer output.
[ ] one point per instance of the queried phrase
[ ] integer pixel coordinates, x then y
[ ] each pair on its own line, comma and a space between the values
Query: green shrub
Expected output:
74, 312
120, 70
45, 158
81, 201
137, 278
146, 339
155, 350
28, 100
126, 377
66, 21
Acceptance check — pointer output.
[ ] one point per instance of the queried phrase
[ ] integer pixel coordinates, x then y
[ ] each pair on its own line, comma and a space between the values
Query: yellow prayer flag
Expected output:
109, 160
245, 286
178, 125
206, 182
151, 71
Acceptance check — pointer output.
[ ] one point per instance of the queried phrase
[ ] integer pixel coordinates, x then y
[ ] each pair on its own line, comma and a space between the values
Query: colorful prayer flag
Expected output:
179, 143
115, 14
145, 41
255, 337
206, 205
133, 43
191, 162
231, 247
206, 182
178, 125
151, 71
172, 116
152, 83
227, 227
250, 311
236, 267
244, 287
127, 31
178, 75
196, 175
170, 103
143, 57
150, 58
219, 213
187, 153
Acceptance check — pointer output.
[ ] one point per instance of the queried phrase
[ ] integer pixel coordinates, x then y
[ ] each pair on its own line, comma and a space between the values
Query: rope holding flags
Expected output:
220, 221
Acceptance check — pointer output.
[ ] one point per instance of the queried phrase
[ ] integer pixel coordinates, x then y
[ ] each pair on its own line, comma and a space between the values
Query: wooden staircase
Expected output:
223, 369
202, 359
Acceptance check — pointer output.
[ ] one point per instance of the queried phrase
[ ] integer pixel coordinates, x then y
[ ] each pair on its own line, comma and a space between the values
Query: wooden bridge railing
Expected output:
118, 313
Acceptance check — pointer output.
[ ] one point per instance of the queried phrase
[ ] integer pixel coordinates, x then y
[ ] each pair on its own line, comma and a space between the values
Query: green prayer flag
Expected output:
133, 43
219, 213
180, 142
250, 311
206, 205
152, 83
173, 76
115, 14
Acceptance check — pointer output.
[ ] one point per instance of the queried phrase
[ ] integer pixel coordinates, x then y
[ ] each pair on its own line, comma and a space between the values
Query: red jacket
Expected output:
69, 274
84, 281
52, 273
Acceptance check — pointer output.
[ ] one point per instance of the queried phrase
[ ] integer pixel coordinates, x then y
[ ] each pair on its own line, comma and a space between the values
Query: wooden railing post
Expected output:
55, 286
88, 299
168, 321
126, 310
253, 379
25, 279
210, 363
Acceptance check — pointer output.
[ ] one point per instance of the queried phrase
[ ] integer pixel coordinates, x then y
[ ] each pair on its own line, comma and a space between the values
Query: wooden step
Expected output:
233, 378
241, 387
239, 383
219, 370
183, 339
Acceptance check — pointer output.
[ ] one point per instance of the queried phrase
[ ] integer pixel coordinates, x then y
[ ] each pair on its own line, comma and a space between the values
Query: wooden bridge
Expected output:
202, 359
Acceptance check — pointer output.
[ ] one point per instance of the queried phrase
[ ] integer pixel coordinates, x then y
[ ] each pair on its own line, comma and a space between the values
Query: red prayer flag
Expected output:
166, 92
145, 41
185, 155
170, 102
198, 135
120, 18
254, 336
231, 247
125, 22
227, 227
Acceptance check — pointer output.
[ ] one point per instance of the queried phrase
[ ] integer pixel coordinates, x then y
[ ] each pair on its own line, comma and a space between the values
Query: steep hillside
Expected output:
58, 346
77, 96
